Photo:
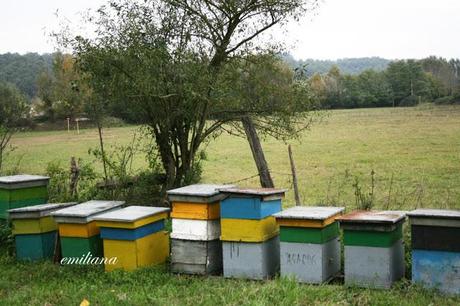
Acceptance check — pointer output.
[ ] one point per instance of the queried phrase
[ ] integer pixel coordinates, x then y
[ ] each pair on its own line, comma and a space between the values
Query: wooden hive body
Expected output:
195, 245
196, 257
251, 260
372, 237
135, 236
204, 230
310, 245
79, 232
436, 249
35, 230
22, 191
249, 232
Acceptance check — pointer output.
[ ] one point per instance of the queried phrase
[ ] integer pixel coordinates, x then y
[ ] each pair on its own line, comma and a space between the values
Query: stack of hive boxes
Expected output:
249, 235
436, 249
195, 244
374, 250
21, 191
310, 245
35, 231
78, 231
135, 236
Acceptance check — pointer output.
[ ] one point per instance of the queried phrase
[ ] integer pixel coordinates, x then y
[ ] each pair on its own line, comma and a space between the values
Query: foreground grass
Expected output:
48, 284
414, 152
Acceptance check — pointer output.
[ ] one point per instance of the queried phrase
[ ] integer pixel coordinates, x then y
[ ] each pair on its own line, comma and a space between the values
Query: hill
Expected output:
23, 70
346, 65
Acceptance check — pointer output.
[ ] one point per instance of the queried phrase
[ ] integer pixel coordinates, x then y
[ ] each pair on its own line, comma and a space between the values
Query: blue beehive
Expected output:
436, 249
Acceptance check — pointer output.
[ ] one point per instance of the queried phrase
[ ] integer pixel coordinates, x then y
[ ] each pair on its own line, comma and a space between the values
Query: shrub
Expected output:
409, 101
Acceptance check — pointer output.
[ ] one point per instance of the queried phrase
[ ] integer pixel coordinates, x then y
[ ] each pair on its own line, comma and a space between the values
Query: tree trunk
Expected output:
258, 153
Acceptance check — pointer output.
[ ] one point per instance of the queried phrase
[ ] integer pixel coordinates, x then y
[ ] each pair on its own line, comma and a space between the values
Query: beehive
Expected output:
78, 231
436, 249
21, 191
310, 246
35, 231
249, 232
374, 249
195, 244
135, 236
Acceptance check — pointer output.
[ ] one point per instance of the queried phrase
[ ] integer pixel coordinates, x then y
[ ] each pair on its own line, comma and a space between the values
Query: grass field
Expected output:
415, 153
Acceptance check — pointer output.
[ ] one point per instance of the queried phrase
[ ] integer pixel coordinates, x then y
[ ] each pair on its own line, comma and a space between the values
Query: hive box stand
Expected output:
436, 249
195, 244
374, 249
249, 232
35, 231
21, 191
78, 231
135, 236
310, 246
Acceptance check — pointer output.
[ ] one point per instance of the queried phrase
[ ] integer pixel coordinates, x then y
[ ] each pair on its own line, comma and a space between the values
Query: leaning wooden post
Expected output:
294, 177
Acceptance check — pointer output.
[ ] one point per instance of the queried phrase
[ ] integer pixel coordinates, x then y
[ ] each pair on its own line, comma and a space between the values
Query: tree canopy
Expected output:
188, 69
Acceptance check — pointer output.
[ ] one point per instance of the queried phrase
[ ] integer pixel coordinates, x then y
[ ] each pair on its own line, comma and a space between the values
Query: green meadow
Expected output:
414, 154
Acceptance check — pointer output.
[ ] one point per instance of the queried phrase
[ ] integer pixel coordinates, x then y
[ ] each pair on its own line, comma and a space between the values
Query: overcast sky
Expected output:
338, 29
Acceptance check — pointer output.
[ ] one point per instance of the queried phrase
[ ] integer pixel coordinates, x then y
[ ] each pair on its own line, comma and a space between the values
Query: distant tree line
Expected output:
53, 87
23, 70
346, 65
402, 83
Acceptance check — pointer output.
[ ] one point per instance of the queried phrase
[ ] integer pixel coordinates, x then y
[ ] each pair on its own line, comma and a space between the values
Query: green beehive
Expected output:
21, 191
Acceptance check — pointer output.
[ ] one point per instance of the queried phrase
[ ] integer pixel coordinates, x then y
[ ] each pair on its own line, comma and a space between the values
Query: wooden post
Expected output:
294, 177
74, 175
68, 125
78, 127
258, 153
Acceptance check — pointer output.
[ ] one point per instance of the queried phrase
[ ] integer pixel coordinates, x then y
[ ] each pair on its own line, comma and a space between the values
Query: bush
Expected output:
409, 101
59, 186
444, 100
6, 236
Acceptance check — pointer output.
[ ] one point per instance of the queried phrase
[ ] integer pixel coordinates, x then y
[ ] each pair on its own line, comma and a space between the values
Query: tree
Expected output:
12, 110
407, 79
164, 64
61, 91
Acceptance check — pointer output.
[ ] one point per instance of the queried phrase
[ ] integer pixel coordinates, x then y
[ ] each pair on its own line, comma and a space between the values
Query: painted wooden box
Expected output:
251, 260
310, 245
198, 193
35, 231
436, 249
196, 257
247, 214
188, 229
374, 248
21, 191
197, 202
195, 245
253, 204
249, 232
134, 236
78, 231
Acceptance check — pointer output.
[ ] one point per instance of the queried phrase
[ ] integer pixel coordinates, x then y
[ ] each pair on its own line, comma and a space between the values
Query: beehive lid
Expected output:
373, 217
37, 211
23, 181
309, 213
85, 212
264, 193
198, 193
131, 214
435, 213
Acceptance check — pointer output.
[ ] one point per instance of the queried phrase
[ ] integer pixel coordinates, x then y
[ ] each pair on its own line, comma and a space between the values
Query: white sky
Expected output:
338, 29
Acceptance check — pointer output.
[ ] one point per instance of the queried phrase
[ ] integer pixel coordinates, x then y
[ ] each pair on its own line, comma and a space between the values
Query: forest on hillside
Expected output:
49, 81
